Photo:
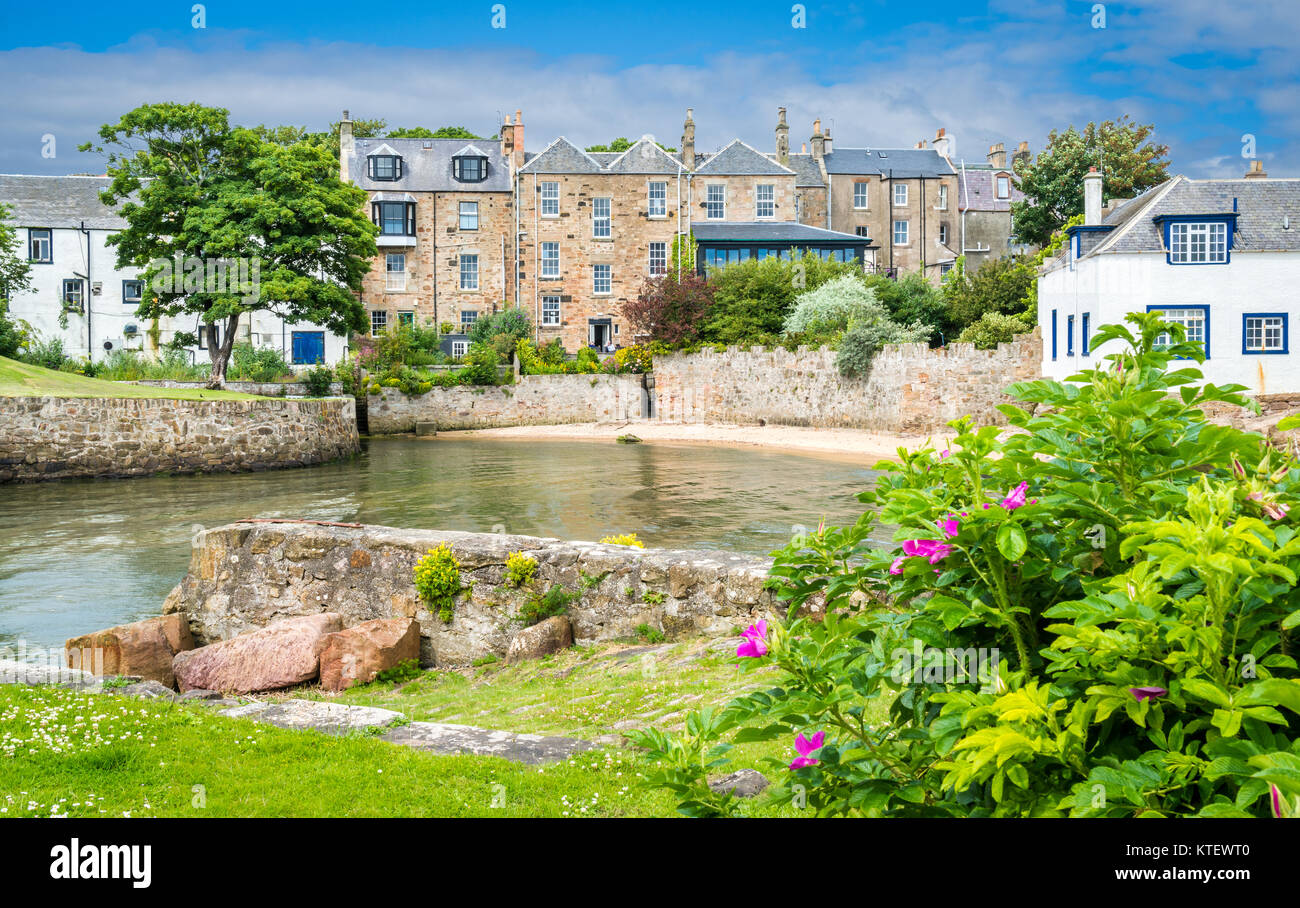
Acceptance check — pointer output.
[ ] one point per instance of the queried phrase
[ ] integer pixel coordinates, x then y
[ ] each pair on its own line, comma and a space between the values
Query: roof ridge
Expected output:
1123, 231
653, 144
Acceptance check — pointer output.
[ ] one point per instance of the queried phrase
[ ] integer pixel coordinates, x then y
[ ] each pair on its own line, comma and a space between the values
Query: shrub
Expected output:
623, 539
668, 309
46, 353
911, 299
538, 608
650, 634
520, 569
1007, 285
13, 333
752, 298
833, 306
437, 580
481, 366
863, 341
993, 328
588, 359
1116, 580
406, 670
636, 358
501, 331
250, 363
317, 381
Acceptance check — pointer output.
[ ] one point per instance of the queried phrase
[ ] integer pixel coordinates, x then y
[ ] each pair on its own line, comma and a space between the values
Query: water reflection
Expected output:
76, 556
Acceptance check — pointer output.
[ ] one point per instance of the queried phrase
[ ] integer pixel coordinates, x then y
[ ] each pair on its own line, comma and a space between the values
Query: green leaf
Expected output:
1012, 542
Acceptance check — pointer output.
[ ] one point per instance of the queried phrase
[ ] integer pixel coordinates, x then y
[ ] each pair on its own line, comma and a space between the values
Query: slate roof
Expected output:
645, 157
562, 156
1262, 207
977, 189
42, 201
807, 173
426, 165
904, 163
737, 158
769, 231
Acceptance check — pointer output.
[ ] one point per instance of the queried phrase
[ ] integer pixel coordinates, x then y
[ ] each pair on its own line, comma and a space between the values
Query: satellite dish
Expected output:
108, 345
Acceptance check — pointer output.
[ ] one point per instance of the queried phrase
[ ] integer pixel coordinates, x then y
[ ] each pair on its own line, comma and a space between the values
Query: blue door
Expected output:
308, 347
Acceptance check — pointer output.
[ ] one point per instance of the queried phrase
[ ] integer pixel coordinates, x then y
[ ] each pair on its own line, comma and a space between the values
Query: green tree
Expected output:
1007, 286
194, 189
911, 299
15, 270
622, 143
753, 298
442, 132
1053, 182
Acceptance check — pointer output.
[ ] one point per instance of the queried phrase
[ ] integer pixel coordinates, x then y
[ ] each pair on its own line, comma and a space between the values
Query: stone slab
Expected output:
443, 738
330, 718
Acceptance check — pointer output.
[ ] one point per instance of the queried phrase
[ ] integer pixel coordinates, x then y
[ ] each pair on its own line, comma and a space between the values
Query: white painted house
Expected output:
63, 228
1221, 257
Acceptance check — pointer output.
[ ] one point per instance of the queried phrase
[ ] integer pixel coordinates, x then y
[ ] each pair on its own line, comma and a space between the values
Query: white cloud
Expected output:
983, 82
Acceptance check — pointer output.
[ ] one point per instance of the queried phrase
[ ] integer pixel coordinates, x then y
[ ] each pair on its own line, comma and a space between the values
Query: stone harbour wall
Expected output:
58, 438
249, 574
911, 388
533, 400
261, 388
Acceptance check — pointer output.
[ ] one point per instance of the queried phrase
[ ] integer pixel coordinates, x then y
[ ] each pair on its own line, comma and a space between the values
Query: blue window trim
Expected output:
1286, 333
1083, 341
1205, 309
1163, 221
49, 235
1069, 335
127, 302
1053, 335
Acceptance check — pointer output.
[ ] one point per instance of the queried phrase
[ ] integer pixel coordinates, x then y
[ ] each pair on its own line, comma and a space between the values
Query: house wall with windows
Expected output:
1214, 304
593, 229
1221, 257
912, 220
75, 270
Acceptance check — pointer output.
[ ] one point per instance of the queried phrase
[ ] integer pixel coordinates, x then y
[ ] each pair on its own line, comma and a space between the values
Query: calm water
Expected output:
81, 555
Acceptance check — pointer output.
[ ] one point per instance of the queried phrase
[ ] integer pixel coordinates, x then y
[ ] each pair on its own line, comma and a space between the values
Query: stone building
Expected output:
445, 209
986, 190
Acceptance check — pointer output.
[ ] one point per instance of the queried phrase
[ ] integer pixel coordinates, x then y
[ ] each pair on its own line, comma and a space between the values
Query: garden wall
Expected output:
911, 389
58, 438
533, 400
248, 574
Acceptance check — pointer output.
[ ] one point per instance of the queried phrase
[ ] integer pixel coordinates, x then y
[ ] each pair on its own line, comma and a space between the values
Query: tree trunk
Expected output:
220, 354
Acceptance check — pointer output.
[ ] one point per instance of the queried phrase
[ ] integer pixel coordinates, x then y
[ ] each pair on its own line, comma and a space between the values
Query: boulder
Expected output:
357, 654
744, 783
145, 649
280, 655
549, 636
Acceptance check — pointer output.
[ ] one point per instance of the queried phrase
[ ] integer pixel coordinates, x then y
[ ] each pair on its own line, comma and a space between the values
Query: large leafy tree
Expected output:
1121, 151
191, 187
15, 270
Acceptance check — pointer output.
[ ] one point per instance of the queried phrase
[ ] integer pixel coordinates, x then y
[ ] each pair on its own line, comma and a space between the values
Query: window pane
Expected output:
469, 215
658, 200
468, 272
600, 218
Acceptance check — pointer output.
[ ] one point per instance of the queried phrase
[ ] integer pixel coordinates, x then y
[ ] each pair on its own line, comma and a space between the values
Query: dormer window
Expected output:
1003, 186
386, 167
469, 168
1198, 243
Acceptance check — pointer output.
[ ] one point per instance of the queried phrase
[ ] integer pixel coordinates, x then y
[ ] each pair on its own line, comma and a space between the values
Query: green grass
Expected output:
76, 754
92, 755
24, 380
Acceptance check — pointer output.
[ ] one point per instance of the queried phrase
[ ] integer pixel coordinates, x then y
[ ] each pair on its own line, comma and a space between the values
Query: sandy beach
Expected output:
855, 444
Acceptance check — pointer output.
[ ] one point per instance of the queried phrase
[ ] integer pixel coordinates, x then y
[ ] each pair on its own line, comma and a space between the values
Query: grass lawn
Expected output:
64, 752
23, 380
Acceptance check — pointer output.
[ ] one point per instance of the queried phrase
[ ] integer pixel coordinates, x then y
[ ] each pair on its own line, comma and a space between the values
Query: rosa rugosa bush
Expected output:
1094, 614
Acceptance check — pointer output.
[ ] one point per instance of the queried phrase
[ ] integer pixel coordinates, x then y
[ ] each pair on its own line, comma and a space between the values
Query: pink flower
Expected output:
753, 641
1275, 511
897, 566
926, 548
1016, 497
1147, 693
943, 454
949, 526
806, 748
1275, 797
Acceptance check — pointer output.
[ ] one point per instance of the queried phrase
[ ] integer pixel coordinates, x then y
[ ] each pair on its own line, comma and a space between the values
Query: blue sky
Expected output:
879, 72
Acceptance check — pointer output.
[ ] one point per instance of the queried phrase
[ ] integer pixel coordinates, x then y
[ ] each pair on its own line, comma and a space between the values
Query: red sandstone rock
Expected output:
549, 636
144, 649
357, 654
280, 655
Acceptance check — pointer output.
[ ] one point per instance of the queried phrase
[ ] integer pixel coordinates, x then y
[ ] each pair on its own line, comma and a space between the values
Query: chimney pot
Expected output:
1256, 171
1092, 212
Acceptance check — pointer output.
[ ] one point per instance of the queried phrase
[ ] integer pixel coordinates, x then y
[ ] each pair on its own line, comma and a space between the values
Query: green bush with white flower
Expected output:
1094, 616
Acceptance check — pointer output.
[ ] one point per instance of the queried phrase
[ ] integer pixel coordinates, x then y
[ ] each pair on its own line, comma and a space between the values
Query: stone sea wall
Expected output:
533, 400
911, 389
249, 574
58, 438
262, 388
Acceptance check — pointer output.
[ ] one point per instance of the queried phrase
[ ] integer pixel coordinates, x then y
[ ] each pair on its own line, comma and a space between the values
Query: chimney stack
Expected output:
1022, 155
826, 146
944, 143
688, 140
1092, 198
782, 137
1256, 171
818, 141
997, 156
346, 147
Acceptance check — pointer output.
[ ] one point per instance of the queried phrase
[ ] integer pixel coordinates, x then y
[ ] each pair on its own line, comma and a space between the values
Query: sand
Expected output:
855, 444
